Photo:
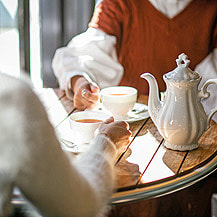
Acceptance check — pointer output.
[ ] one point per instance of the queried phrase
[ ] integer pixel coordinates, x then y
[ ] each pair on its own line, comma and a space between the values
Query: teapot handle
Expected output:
205, 94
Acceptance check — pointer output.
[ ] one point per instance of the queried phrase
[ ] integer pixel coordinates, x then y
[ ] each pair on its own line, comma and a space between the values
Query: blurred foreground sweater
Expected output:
32, 159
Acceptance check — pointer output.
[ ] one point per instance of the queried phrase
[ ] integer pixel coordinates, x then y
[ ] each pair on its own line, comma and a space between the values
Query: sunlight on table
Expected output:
147, 145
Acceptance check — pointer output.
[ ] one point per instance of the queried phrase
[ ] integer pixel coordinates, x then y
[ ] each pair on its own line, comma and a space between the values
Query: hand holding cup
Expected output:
117, 131
86, 94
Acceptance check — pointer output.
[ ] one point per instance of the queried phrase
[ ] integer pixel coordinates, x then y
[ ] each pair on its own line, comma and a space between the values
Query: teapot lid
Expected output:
182, 72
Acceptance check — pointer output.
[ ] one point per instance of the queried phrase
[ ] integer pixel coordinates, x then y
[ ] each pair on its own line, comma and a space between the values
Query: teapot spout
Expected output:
154, 103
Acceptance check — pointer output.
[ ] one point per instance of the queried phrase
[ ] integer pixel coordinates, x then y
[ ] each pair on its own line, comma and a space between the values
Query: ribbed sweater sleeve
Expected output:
97, 164
32, 159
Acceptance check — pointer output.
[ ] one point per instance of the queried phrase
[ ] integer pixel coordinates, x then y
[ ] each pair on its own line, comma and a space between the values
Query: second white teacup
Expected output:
119, 100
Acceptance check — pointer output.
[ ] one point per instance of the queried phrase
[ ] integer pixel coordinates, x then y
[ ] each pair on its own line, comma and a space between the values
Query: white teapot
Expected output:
180, 118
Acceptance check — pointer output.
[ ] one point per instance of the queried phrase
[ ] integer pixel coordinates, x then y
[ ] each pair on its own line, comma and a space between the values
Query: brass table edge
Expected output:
162, 188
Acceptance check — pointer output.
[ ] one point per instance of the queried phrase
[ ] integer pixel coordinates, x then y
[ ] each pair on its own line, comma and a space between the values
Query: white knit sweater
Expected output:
32, 160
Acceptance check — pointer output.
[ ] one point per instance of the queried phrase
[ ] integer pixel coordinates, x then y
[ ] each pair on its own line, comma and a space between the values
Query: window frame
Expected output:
24, 35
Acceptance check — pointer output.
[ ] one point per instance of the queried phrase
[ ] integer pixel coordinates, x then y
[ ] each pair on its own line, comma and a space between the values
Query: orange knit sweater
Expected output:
148, 41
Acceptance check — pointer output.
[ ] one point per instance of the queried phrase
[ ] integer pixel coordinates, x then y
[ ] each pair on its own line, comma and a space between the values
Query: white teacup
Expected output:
119, 100
84, 124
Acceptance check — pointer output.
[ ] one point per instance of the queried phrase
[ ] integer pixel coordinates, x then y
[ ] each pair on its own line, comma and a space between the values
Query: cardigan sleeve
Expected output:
33, 160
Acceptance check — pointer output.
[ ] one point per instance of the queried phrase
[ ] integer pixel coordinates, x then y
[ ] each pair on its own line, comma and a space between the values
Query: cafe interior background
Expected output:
31, 31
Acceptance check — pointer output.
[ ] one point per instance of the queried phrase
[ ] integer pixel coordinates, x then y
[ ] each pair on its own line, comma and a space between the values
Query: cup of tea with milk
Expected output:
119, 100
84, 124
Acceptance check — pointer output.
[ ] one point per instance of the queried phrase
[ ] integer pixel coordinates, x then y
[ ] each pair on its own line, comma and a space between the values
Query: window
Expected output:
31, 31
9, 38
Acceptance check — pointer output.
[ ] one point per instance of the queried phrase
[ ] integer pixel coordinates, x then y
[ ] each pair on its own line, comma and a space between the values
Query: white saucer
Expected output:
138, 113
71, 147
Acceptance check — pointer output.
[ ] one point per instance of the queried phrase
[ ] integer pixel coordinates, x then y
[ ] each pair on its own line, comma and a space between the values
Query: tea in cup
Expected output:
84, 124
118, 100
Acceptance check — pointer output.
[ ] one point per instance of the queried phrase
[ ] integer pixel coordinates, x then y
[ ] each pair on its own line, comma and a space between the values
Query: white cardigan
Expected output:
93, 55
32, 159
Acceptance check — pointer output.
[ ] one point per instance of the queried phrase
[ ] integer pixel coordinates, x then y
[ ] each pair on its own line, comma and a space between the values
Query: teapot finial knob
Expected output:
183, 58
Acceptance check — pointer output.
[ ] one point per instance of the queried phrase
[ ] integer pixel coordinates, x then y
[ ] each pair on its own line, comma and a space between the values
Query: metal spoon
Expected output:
67, 143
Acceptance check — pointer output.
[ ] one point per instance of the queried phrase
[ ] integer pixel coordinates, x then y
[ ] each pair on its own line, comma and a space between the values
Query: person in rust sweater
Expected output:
126, 38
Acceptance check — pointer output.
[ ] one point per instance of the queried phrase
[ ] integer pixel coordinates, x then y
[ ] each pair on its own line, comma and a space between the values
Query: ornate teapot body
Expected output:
180, 118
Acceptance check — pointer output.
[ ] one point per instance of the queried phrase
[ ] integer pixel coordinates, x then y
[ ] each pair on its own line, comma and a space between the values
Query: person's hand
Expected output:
86, 94
117, 131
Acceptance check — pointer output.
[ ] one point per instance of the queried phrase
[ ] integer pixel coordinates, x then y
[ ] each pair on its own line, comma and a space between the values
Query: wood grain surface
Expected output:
147, 161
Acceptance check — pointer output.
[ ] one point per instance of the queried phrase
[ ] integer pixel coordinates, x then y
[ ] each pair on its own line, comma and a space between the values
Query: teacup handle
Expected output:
205, 94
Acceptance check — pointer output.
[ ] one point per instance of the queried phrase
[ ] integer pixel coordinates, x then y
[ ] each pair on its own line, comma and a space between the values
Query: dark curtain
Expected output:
60, 21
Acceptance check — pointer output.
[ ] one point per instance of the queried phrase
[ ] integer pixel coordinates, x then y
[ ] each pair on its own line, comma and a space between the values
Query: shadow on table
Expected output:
127, 173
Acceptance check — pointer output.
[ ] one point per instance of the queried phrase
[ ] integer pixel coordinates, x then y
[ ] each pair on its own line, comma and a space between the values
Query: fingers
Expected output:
81, 103
86, 94
121, 137
116, 131
83, 92
109, 120
84, 98
94, 88
123, 124
124, 128
89, 96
